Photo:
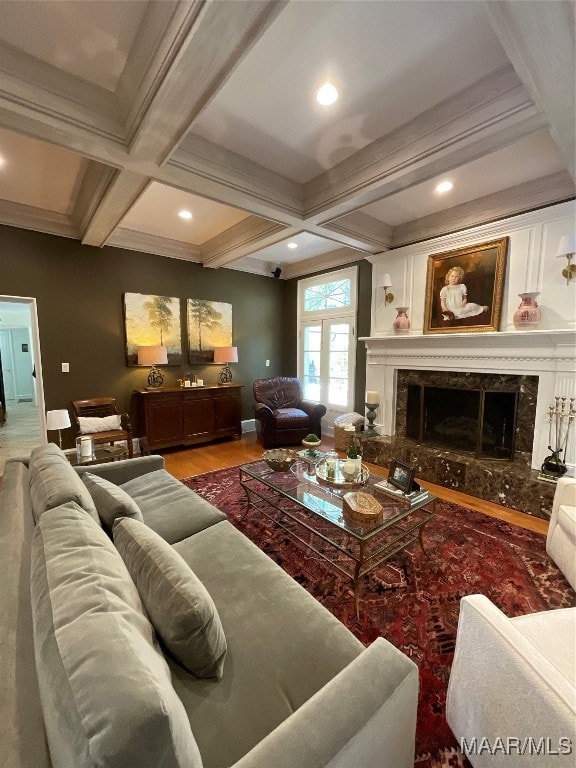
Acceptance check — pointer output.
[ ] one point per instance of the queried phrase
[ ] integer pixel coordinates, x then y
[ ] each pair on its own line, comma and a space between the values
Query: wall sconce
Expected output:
225, 355
387, 283
56, 421
567, 249
153, 356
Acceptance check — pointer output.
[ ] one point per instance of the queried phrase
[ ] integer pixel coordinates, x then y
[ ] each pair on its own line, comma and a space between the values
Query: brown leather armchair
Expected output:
282, 416
101, 407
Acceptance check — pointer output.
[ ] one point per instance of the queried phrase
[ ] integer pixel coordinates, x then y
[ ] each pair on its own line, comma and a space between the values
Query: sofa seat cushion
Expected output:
53, 482
283, 646
169, 508
291, 418
111, 501
553, 633
180, 608
105, 687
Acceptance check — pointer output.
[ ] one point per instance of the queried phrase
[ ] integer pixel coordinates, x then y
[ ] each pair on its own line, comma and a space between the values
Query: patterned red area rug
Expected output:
413, 600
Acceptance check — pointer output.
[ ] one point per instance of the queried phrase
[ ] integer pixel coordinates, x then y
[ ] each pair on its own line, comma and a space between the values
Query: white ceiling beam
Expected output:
112, 201
243, 239
219, 37
494, 112
37, 219
363, 228
162, 246
540, 41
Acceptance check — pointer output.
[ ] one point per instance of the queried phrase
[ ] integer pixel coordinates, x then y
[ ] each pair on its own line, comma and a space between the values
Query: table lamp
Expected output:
57, 421
226, 355
153, 356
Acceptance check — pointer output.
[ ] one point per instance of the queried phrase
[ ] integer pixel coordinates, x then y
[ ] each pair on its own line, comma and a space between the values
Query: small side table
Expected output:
102, 455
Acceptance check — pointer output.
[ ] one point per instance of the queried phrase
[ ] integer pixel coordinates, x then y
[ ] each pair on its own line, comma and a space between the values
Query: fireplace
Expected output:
480, 422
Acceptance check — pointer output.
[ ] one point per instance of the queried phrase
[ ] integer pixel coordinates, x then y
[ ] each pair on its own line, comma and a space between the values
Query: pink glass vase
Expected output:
402, 322
528, 314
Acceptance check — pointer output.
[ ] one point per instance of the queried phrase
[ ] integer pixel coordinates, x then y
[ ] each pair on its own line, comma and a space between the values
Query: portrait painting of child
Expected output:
464, 289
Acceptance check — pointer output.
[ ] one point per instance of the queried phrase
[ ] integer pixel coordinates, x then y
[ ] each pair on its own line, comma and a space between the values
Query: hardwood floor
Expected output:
228, 453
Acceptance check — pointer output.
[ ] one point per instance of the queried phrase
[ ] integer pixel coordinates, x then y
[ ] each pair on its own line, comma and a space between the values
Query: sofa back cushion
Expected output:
53, 482
105, 687
177, 602
110, 500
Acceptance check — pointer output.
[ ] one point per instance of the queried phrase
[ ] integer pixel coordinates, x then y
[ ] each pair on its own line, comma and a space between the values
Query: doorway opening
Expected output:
23, 421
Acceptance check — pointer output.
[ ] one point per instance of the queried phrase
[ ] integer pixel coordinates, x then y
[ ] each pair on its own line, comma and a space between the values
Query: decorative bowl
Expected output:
280, 459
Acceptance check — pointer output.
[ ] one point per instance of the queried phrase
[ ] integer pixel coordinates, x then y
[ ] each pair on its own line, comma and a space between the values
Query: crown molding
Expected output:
548, 190
475, 121
36, 219
253, 266
161, 246
493, 229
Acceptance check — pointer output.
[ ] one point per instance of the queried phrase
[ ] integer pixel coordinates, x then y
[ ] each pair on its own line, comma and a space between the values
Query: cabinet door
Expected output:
198, 416
227, 413
164, 420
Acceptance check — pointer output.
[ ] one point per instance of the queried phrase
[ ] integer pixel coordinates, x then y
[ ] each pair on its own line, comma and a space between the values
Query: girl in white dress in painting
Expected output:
454, 299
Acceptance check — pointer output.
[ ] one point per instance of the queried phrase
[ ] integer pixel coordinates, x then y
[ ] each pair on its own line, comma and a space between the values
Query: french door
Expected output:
327, 357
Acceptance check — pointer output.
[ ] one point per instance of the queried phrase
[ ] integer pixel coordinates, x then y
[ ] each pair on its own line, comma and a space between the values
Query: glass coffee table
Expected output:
101, 455
315, 514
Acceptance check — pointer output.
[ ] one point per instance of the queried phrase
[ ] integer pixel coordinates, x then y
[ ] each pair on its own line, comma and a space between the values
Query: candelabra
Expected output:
560, 424
371, 415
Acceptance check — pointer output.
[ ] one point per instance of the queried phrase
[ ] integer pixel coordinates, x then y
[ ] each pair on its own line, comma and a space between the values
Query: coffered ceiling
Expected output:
117, 115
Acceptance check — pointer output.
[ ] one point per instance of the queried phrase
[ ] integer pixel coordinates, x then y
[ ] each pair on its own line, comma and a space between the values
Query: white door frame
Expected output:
35, 338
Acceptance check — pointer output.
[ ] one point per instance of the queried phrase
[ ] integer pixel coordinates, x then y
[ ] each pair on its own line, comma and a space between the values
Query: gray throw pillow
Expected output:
105, 687
179, 607
110, 500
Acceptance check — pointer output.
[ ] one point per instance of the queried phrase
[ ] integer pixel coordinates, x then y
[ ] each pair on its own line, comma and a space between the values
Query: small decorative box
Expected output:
362, 508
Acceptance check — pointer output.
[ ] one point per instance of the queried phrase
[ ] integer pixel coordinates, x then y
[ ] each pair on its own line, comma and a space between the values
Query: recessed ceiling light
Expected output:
292, 245
444, 186
327, 94
2, 161
185, 215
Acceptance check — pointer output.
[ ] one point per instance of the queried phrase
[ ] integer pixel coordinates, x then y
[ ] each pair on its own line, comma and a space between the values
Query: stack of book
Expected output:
391, 490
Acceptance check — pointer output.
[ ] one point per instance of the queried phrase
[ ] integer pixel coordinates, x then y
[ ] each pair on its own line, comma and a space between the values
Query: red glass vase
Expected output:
528, 314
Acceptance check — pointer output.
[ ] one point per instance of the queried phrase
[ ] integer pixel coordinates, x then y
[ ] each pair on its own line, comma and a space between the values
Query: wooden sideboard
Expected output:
185, 416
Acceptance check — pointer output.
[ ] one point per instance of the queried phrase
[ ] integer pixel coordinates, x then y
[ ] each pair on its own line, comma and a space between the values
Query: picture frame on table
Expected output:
401, 476
464, 288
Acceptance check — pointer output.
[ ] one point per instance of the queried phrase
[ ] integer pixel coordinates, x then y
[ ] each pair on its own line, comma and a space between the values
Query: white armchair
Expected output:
512, 687
561, 539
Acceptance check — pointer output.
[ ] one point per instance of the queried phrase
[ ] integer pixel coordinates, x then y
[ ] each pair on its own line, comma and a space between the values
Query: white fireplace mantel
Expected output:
548, 354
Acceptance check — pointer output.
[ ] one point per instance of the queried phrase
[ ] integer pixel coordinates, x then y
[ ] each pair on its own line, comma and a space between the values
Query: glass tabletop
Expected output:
300, 484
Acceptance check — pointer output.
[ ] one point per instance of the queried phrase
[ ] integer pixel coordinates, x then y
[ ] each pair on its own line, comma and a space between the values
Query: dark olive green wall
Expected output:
289, 357
79, 291
79, 297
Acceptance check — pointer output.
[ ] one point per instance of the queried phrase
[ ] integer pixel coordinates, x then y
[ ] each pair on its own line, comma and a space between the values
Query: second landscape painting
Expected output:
209, 326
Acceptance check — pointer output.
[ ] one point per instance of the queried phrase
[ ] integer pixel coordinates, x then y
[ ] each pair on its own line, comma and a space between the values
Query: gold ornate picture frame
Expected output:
464, 288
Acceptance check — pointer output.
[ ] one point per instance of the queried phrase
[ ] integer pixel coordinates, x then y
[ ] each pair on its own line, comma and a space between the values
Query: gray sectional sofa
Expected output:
91, 672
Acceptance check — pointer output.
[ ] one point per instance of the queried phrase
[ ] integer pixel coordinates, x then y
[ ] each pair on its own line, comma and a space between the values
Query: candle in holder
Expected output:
372, 398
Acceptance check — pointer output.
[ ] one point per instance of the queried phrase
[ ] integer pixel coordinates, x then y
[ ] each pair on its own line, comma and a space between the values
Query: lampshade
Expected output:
226, 355
566, 245
386, 281
153, 355
59, 419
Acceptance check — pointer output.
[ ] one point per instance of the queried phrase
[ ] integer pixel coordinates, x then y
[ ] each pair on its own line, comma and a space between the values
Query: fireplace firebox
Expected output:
479, 421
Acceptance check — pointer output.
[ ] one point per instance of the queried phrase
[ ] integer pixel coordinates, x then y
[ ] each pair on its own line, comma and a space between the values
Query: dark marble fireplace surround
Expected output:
508, 483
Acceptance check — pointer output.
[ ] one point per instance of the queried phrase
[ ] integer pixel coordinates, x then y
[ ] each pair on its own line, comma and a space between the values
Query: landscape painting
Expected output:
152, 321
209, 326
